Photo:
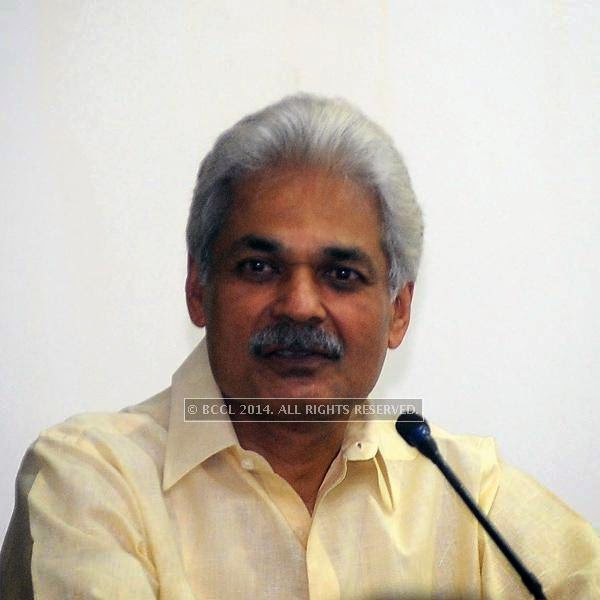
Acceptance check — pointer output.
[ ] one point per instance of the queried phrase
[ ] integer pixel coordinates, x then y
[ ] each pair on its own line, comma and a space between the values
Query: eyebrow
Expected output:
258, 243
346, 253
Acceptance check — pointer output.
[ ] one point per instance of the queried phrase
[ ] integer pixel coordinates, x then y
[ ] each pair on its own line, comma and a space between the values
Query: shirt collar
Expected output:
379, 443
189, 443
364, 438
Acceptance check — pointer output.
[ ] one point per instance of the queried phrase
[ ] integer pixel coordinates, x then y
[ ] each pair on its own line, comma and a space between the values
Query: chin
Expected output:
299, 387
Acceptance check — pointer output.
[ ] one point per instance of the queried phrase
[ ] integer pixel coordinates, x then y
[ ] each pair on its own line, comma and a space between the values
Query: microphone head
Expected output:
414, 429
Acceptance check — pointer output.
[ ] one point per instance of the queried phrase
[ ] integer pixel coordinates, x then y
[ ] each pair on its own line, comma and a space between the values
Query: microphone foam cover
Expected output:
413, 428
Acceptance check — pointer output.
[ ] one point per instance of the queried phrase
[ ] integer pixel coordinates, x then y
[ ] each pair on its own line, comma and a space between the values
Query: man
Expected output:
304, 241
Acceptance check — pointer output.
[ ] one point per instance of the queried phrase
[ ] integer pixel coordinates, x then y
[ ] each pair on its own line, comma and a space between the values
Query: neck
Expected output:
301, 453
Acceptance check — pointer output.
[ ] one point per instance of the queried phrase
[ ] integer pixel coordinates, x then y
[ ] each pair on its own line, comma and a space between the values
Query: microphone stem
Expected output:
528, 578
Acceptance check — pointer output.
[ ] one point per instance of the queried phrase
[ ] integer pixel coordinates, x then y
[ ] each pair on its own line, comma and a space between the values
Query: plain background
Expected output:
108, 107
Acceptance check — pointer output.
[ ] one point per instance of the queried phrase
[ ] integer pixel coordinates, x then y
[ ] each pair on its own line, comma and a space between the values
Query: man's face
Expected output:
300, 247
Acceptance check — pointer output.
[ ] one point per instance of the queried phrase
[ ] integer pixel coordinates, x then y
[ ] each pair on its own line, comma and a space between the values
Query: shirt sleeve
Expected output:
555, 543
15, 558
77, 530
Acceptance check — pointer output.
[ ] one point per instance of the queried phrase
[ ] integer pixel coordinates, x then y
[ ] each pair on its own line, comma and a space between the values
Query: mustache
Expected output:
298, 338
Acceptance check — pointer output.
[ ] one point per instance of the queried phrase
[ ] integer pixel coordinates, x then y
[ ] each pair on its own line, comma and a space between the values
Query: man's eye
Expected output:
344, 276
256, 269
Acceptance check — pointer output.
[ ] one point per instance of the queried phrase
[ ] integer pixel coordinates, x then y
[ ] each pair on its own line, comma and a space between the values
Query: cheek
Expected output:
364, 327
235, 312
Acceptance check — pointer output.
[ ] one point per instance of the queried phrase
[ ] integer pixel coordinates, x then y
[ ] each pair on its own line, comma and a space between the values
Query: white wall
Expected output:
107, 108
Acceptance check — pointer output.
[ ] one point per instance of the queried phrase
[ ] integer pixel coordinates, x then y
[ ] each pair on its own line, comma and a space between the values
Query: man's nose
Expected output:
299, 297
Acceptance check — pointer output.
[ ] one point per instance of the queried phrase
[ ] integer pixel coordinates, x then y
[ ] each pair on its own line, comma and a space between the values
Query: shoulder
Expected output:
466, 450
148, 418
473, 458
132, 440
553, 540
90, 486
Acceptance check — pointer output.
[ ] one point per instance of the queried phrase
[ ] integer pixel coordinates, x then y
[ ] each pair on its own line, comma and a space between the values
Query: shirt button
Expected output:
247, 464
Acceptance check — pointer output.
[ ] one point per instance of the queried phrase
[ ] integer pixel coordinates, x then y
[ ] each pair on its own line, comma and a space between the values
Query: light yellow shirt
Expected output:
142, 504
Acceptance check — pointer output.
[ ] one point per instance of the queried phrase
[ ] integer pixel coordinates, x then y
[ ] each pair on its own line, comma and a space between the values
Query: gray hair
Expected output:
313, 131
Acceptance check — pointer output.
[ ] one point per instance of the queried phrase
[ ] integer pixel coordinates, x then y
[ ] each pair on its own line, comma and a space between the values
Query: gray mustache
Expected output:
296, 338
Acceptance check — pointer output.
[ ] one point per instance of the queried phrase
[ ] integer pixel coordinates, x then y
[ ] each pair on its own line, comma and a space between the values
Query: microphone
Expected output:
415, 431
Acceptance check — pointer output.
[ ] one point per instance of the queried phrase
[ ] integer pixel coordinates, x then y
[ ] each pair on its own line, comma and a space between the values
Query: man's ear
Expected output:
195, 294
400, 315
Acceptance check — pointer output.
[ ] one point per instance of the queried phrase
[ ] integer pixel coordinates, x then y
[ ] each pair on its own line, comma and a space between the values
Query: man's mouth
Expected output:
295, 353
296, 362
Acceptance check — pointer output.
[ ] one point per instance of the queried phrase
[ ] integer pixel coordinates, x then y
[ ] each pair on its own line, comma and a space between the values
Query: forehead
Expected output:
307, 206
